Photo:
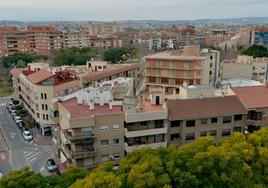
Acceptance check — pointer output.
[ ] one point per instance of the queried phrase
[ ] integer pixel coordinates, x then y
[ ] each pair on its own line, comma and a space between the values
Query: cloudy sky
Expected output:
108, 10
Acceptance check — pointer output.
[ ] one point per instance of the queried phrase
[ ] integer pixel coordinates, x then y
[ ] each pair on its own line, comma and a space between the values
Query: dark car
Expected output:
24, 129
21, 124
51, 165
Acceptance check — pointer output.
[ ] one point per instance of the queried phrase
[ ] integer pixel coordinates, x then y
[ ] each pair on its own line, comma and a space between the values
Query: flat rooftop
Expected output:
83, 111
175, 55
148, 107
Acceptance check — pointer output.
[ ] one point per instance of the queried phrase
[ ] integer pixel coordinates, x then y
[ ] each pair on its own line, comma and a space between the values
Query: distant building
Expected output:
259, 36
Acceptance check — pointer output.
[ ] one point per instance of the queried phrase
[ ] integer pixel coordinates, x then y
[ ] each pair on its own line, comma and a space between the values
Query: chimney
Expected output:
91, 105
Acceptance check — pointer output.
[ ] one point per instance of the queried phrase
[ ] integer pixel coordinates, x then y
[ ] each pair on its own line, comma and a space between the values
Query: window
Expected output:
116, 127
105, 158
45, 95
42, 96
214, 120
143, 123
104, 142
213, 133
104, 128
190, 136
226, 132
198, 82
190, 123
86, 131
38, 115
237, 129
238, 117
164, 80
204, 121
159, 123
176, 123
46, 116
203, 133
46, 107
43, 107
152, 79
227, 119
115, 141
175, 136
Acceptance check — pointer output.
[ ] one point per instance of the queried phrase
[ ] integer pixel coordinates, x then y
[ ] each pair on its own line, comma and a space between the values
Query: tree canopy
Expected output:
256, 51
20, 59
239, 161
119, 54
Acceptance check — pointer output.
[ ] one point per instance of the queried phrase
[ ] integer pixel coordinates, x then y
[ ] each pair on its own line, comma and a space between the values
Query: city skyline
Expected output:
103, 10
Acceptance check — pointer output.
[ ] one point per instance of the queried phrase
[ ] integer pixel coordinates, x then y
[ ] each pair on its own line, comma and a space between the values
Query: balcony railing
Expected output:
130, 147
79, 138
81, 154
145, 132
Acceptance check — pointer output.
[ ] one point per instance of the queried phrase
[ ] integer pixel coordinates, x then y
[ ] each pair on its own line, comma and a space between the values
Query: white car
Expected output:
27, 135
17, 119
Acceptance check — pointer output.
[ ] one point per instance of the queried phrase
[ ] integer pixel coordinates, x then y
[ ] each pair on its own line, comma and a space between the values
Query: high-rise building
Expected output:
259, 36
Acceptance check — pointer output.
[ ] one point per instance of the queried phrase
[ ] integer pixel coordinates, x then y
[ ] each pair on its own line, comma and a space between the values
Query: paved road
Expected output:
23, 153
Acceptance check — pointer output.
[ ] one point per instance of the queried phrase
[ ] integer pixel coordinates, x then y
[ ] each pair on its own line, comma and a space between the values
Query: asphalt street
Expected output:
22, 153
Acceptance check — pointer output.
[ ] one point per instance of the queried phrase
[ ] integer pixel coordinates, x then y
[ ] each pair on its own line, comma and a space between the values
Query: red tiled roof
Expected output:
263, 29
253, 97
81, 111
93, 76
208, 107
39, 76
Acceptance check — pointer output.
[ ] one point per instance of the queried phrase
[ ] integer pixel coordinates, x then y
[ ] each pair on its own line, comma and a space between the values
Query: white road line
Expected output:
28, 154
29, 161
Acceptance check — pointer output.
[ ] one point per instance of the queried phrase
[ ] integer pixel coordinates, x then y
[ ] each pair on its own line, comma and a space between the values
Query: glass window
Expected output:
190, 123
213, 133
176, 123
159, 138
159, 123
214, 120
203, 133
227, 119
115, 127
115, 141
116, 155
204, 121
238, 117
86, 131
175, 136
237, 129
190, 136
104, 142
226, 132
104, 128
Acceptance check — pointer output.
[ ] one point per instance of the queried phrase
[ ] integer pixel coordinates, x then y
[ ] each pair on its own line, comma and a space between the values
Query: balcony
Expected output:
145, 132
130, 148
79, 138
80, 154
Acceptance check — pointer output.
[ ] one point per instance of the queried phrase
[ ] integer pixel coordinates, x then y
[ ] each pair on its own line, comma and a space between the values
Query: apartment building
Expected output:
12, 40
145, 120
92, 124
204, 112
187, 36
102, 28
37, 88
105, 41
171, 69
255, 100
259, 36
77, 39
217, 36
99, 71
44, 39
245, 67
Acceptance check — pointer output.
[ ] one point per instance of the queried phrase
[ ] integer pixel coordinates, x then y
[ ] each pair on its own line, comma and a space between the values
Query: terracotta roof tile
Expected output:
253, 97
208, 107
39, 76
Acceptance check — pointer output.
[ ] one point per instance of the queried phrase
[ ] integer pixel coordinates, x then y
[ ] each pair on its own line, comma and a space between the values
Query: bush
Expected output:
16, 102
18, 107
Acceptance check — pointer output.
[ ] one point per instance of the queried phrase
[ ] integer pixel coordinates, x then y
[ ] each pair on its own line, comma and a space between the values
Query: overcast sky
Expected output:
108, 10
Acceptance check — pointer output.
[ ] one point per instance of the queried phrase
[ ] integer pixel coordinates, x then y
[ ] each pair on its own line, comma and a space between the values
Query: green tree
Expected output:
21, 64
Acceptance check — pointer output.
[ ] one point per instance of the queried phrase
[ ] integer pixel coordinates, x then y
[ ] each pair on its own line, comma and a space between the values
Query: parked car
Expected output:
51, 165
27, 135
12, 111
24, 129
21, 124
17, 119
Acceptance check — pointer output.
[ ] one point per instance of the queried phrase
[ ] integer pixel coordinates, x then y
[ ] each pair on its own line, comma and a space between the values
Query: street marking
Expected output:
31, 156
3, 156
42, 169
13, 135
29, 161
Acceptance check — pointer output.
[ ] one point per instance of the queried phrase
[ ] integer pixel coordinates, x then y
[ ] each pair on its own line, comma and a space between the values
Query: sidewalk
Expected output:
41, 139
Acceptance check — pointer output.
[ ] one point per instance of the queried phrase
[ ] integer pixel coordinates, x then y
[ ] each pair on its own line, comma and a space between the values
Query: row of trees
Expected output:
240, 161
20, 60
79, 56
256, 51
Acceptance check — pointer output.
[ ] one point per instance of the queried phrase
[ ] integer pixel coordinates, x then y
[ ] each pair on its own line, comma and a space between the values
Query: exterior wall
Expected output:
182, 130
235, 70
